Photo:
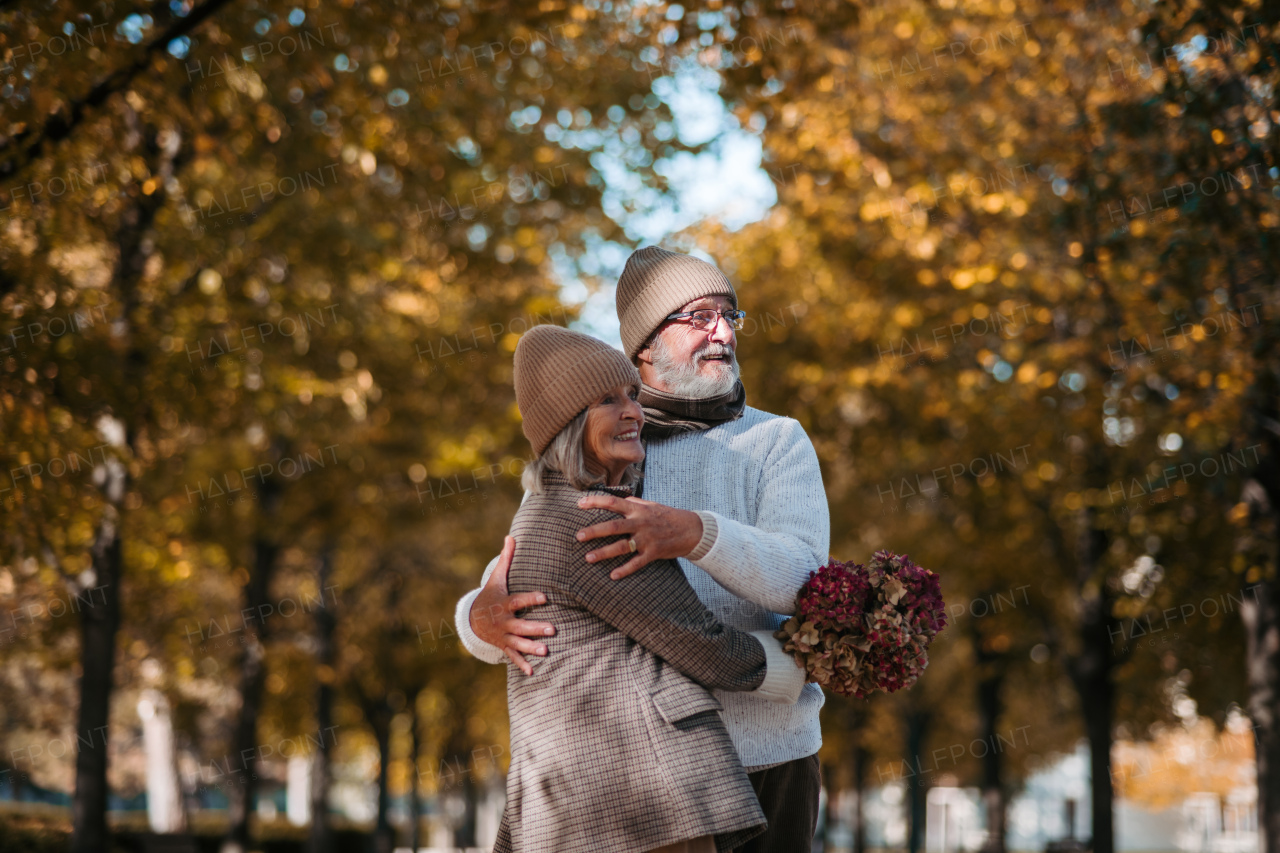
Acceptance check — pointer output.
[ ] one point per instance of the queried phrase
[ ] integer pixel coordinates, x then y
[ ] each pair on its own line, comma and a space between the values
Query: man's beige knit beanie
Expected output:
558, 373
656, 283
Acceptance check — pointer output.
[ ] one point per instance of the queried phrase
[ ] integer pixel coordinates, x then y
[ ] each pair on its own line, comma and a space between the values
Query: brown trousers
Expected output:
789, 795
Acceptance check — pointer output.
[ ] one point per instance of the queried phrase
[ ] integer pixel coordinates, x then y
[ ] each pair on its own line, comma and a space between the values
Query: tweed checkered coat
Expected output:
616, 744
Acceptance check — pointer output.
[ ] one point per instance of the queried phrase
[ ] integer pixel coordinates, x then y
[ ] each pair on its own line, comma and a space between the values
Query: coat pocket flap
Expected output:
680, 701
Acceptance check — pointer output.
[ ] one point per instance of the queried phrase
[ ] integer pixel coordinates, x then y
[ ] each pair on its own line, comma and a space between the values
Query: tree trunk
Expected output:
380, 719
859, 797
1260, 613
17, 783
99, 623
990, 681
253, 676
98, 626
917, 728
320, 839
457, 758
1090, 671
831, 814
465, 835
415, 790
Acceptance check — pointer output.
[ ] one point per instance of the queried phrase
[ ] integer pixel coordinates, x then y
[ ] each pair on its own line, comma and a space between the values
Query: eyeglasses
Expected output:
707, 318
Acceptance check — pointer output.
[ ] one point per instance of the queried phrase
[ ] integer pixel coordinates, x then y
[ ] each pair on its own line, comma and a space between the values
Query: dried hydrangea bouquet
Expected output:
860, 629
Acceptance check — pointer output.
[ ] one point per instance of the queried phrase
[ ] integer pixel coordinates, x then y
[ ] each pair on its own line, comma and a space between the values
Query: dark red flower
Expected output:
885, 614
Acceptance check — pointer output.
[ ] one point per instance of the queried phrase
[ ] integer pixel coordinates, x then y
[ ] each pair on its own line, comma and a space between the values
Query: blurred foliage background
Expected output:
263, 267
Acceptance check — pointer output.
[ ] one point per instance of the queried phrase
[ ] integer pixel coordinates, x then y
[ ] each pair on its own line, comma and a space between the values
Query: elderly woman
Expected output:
616, 744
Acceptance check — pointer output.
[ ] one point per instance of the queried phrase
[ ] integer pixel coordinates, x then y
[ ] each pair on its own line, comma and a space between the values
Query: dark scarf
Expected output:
666, 415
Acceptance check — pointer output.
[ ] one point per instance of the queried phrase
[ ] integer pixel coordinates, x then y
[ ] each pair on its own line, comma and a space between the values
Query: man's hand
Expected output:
493, 615
659, 531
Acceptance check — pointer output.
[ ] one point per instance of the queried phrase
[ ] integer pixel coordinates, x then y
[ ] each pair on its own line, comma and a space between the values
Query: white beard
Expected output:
683, 378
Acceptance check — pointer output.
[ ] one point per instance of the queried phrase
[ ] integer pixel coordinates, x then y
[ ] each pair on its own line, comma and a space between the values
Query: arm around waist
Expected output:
658, 608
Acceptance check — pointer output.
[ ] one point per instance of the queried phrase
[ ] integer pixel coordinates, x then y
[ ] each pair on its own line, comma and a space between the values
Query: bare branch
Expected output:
62, 123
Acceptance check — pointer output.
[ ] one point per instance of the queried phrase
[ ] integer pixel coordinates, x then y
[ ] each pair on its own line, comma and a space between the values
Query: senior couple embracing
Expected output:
665, 531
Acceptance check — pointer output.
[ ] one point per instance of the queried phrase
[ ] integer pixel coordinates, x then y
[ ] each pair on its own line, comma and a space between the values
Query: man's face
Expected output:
697, 363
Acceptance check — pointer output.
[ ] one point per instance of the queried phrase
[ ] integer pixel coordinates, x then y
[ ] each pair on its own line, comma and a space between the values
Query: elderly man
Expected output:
733, 492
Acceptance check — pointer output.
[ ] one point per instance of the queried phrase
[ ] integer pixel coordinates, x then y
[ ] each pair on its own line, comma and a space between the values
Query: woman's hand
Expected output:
659, 532
493, 616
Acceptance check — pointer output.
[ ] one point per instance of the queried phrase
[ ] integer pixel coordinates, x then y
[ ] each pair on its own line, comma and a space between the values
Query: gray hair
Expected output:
567, 455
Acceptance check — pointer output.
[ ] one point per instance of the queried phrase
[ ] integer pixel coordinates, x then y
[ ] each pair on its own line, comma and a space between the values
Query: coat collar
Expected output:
558, 480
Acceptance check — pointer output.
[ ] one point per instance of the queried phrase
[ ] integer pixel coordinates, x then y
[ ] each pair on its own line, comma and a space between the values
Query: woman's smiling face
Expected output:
611, 441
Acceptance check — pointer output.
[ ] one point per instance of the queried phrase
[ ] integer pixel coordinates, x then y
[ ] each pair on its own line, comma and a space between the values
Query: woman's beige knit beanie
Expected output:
656, 283
558, 373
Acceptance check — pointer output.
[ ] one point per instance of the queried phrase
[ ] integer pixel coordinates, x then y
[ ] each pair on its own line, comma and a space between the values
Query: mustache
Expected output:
711, 349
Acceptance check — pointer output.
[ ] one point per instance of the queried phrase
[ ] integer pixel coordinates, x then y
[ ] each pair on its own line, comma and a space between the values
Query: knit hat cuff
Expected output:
575, 388
655, 283
644, 317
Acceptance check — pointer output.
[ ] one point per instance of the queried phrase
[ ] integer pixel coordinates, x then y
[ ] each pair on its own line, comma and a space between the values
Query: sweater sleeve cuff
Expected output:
783, 680
478, 647
710, 531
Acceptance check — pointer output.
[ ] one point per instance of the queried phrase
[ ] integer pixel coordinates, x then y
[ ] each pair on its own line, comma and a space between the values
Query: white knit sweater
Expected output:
756, 485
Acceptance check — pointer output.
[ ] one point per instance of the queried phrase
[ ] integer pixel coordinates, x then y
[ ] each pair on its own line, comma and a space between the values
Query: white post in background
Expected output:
164, 795
297, 795
489, 811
